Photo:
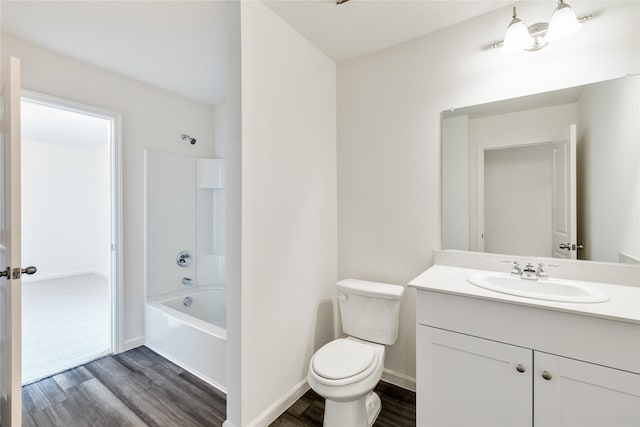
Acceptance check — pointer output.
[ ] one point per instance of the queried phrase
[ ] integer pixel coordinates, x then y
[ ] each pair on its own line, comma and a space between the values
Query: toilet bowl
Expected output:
345, 372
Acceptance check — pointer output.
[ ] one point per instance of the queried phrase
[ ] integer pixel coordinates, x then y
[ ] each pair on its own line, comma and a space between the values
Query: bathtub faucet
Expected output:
187, 281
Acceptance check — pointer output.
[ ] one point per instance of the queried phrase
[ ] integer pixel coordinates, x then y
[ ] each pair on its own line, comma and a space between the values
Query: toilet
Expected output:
346, 370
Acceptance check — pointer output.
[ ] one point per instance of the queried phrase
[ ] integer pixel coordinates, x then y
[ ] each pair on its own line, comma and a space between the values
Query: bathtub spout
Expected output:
187, 281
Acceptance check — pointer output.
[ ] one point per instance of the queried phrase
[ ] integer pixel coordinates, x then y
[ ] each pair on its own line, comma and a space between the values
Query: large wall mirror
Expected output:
555, 174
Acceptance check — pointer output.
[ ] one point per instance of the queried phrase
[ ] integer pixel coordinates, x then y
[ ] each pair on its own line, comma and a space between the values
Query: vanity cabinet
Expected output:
569, 392
491, 363
468, 381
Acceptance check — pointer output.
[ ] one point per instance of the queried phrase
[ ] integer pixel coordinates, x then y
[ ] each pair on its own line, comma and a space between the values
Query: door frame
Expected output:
115, 148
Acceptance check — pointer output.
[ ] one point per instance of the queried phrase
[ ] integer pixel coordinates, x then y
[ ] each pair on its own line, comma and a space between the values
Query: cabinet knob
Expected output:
520, 368
546, 375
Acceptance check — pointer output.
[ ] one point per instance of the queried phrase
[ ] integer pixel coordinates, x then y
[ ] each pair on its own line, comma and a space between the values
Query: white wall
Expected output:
170, 206
609, 180
389, 106
152, 118
65, 209
228, 120
455, 183
288, 209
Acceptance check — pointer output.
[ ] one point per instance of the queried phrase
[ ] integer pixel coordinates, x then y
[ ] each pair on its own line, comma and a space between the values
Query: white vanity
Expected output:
487, 358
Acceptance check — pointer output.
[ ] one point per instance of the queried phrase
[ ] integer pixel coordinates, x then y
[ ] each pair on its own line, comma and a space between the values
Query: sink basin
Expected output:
544, 289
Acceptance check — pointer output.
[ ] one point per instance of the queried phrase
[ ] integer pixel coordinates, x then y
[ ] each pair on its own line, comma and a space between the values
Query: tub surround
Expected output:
185, 310
494, 354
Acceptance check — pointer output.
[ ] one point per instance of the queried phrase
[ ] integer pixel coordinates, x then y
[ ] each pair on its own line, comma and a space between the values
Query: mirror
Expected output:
555, 174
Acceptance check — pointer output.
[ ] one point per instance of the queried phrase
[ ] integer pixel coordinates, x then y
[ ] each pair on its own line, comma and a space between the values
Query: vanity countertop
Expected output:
624, 303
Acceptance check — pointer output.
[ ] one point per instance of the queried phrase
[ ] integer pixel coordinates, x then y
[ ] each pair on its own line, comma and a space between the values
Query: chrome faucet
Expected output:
529, 272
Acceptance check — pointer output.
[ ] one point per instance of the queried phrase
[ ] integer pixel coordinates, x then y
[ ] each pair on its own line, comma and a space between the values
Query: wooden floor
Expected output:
141, 388
398, 409
135, 388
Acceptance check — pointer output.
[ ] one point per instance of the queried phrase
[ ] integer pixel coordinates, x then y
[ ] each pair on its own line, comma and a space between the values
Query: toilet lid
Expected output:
342, 358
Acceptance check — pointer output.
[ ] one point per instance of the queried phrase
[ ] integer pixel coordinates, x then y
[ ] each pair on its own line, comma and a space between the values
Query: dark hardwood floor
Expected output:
135, 388
141, 388
398, 409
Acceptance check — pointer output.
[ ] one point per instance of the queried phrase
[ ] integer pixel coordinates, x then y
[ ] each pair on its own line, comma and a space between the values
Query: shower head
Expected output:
188, 139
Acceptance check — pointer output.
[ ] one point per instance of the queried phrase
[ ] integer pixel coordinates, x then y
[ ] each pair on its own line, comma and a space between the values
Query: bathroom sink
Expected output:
543, 289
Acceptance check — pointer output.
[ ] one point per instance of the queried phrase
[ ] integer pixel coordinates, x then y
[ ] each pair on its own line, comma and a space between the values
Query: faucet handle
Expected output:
541, 273
515, 267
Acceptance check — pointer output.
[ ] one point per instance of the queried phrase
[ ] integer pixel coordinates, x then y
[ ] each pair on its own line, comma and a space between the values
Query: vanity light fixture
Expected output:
562, 25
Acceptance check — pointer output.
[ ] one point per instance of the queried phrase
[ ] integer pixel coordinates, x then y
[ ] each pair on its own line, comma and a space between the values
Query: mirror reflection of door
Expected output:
527, 203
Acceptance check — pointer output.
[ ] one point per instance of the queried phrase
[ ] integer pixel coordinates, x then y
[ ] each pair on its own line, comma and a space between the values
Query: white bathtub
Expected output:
193, 337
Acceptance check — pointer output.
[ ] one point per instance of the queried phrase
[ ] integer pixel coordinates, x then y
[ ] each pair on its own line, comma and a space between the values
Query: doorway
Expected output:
70, 230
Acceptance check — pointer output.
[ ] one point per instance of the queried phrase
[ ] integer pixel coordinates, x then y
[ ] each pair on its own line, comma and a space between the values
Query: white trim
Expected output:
279, 407
133, 343
117, 260
399, 379
270, 414
115, 144
228, 423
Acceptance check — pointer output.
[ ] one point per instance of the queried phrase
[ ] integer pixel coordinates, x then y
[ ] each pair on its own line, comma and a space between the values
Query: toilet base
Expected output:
356, 413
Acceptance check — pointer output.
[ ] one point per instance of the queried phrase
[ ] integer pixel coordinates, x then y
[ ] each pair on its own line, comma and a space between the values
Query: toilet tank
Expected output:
369, 310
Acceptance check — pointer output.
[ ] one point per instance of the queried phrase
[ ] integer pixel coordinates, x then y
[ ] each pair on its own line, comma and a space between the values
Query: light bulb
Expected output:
563, 24
517, 37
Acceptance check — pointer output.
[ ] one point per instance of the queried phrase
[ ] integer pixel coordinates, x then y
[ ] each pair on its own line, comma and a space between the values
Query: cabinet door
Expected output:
468, 381
569, 392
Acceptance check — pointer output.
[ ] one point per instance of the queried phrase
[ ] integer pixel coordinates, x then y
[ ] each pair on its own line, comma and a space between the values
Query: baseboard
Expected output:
279, 406
399, 379
133, 343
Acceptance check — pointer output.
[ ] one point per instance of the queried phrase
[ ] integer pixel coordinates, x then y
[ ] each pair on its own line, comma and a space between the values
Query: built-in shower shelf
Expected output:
211, 174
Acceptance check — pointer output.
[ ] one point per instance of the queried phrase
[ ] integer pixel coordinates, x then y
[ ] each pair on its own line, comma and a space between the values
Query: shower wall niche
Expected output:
184, 211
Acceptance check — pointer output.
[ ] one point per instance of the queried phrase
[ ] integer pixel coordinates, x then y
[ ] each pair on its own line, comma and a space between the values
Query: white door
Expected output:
468, 381
10, 316
564, 221
573, 393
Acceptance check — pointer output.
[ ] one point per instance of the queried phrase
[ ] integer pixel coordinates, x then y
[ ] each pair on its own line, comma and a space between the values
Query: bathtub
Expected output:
192, 335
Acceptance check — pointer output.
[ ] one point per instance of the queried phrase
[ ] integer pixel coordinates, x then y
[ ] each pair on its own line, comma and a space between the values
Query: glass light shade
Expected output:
563, 24
517, 37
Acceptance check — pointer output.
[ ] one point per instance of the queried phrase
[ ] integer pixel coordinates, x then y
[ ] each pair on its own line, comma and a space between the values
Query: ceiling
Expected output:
176, 46
179, 46
359, 27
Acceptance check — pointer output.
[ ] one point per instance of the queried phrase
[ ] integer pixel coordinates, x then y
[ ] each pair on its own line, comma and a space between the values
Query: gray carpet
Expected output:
66, 322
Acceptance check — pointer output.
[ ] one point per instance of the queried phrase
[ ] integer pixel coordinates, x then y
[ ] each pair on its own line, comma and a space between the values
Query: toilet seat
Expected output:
343, 361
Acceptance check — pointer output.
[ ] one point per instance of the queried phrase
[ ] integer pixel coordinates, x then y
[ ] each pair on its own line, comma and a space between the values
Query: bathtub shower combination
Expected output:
186, 304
